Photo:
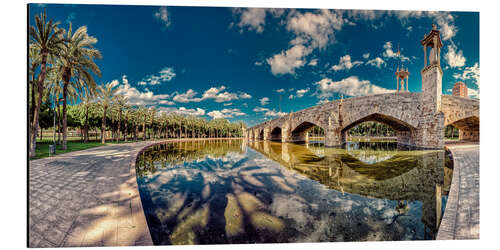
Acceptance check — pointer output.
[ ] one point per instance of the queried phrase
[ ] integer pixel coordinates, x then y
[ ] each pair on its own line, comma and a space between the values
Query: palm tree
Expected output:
127, 111
152, 116
105, 93
87, 100
77, 61
121, 102
48, 39
143, 114
34, 59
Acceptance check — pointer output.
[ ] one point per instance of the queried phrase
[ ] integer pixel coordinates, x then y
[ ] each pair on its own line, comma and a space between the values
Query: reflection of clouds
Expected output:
371, 157
273, 198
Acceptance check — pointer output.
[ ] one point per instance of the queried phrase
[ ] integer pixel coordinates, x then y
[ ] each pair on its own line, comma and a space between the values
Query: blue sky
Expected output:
236, 63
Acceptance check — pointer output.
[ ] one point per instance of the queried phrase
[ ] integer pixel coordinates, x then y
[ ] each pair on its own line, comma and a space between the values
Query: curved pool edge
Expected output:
449, 229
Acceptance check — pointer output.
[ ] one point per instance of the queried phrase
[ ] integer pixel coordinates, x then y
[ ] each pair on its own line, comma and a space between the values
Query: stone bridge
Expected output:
403, 111
418, 119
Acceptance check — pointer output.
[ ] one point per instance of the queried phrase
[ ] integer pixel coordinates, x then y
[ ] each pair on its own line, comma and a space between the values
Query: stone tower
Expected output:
432, 74
431, 131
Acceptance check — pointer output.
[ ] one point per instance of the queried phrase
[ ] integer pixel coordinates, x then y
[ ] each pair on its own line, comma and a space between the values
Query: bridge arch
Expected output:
275, 134
468, 128
403, 129
299, 133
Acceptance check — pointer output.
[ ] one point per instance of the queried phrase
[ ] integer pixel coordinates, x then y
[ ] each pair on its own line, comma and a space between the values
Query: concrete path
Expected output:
87, 198
461, 217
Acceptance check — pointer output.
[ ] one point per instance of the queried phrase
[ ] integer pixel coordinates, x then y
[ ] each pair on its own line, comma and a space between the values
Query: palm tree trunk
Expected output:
36, 114
103, 126
125, 131
136, 131
86, 139
119, 124
59, 125
144, 129
65, 120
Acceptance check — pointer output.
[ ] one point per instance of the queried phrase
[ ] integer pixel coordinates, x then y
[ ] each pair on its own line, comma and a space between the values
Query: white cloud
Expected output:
469, 73
245, 96
366, 55
165, 75
291, 96
183, 111
217, 94
228, 104
287, 61
259, 63
186, 97
280, 90
301, 92
137, 97
313, 62
317, 29
166, 102
312, 31
350, 86
473, 93
251, 19
389, 53
264, 101
268, 112
376, 62
163, 15
453, 58
225, 113
345, 63
444, 20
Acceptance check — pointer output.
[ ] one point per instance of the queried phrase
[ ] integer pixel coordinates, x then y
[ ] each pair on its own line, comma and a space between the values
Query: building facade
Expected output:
460, 89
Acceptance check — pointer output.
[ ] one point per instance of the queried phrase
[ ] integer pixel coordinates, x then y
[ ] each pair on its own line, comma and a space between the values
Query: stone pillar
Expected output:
333, 137
285, 132
266, 133
425, 56
430, 133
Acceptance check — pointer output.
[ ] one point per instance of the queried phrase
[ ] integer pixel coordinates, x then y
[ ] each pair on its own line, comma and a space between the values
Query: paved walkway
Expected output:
87, 198
461, 217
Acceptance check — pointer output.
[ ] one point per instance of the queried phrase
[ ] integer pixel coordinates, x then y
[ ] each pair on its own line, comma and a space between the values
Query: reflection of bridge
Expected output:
419, 119
413, 176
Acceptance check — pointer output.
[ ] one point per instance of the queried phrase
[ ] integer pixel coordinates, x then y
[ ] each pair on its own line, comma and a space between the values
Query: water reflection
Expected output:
211, 192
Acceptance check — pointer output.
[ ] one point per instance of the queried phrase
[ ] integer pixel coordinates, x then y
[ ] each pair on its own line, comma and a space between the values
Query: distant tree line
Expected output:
371, 128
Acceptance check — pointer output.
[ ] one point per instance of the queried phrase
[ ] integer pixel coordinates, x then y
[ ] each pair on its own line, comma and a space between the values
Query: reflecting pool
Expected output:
234, 191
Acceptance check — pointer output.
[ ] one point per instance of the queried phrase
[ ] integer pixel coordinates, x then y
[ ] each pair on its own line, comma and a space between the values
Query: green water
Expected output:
232, 191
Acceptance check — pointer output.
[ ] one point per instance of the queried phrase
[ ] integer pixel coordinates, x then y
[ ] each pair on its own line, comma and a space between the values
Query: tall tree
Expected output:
48, 39
121, 102
105, 94
77, 62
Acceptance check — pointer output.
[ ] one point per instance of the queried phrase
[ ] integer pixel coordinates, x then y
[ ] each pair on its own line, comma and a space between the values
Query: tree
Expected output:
48, 39
105, 94
77, 62
121, 102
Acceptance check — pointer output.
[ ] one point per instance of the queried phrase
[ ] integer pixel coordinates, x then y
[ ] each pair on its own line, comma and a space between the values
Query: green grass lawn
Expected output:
42, 148
74, 144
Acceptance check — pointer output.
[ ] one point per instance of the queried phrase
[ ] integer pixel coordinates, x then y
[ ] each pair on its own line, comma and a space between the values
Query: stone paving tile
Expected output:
76, 199
461, 218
